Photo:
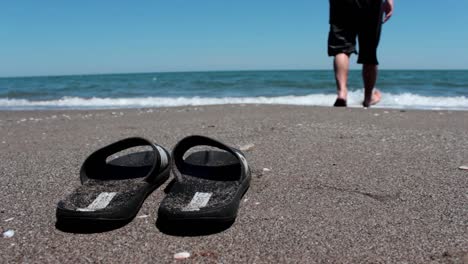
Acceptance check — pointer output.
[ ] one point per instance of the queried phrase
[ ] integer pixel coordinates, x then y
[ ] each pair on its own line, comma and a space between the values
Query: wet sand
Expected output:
329, 185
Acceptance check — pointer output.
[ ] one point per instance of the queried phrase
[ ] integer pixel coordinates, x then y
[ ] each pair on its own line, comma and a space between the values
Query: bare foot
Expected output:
376, 97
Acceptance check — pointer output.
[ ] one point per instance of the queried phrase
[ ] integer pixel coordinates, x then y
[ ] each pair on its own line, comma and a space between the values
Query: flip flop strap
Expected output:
192, 141
99, 157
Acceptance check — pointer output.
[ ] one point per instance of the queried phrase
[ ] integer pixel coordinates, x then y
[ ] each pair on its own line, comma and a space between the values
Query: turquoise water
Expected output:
401, 89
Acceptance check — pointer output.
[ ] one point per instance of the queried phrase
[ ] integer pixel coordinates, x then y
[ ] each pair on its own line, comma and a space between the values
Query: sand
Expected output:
329, 185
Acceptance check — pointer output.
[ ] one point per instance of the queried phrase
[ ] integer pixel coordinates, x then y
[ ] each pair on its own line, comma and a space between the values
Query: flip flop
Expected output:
208, 184
115, 192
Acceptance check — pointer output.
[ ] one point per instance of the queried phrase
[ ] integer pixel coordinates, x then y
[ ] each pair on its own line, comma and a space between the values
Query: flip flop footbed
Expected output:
196, 194
97, 195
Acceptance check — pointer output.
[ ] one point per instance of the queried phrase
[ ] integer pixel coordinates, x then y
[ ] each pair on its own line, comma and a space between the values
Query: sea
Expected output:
401, 89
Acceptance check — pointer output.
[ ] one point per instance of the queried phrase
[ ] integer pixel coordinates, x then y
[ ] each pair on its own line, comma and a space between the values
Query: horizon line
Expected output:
207, 71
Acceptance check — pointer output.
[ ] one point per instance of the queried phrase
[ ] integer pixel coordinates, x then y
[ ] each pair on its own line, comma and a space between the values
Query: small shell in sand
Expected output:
8, 233
247, 147
464, 167
142, 216
182, 255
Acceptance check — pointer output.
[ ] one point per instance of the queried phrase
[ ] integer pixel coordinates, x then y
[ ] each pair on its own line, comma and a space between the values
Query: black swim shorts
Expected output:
355, 18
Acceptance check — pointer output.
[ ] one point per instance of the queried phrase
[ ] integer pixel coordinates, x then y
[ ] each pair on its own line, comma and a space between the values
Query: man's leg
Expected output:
369, 77
341, 67
369, 37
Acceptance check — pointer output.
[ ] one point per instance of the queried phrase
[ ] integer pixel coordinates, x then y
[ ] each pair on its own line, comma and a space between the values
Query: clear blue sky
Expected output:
74, 37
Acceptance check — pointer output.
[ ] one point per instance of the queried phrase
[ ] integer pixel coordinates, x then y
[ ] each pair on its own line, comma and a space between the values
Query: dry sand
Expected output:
329, 185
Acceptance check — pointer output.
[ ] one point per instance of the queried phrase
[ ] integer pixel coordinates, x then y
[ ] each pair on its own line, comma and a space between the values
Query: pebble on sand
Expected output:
182, 255
266, 169
464, 167
8, 233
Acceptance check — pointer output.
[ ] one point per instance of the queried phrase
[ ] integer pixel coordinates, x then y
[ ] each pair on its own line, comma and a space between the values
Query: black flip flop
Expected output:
208, 184
114, 192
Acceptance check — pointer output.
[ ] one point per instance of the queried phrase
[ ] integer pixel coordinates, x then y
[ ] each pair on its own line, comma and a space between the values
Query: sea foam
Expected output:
399, 101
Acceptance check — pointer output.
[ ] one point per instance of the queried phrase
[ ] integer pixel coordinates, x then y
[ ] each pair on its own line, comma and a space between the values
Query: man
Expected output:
362, 19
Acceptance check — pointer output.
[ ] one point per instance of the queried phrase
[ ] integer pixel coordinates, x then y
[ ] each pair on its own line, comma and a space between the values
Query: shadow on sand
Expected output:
89, 226
192, 228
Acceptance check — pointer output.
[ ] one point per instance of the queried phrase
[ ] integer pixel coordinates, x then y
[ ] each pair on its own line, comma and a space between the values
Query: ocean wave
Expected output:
399, 101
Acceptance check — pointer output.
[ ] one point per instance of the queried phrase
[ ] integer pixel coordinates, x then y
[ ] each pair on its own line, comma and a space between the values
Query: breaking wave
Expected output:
389, 100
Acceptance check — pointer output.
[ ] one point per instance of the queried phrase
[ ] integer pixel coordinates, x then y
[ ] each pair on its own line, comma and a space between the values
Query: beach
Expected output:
329, 185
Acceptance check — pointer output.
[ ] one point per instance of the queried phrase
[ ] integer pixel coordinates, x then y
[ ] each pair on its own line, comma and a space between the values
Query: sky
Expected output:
89, 37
